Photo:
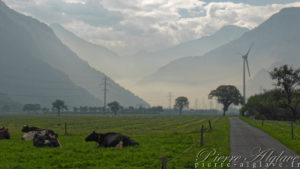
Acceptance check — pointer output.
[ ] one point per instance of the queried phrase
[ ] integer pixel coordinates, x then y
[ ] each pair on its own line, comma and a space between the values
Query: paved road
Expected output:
251, 143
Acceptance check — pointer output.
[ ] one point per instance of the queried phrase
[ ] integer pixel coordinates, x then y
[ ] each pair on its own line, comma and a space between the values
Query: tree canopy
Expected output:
180, 103
287, 79
226, 95
59, 105
114, 107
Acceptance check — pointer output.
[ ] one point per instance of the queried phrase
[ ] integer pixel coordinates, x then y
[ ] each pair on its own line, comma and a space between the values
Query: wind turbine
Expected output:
245, 63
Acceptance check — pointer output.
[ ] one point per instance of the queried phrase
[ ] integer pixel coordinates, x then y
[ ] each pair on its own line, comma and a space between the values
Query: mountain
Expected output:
260, 82
190, 48
97, 56
205, 44
277, 40
38, 68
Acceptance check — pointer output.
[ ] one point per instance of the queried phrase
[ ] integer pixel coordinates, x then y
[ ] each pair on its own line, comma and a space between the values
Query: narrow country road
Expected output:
257, 149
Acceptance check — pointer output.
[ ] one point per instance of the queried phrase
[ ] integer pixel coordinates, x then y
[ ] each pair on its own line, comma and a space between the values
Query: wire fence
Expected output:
180, 154
72, 127
281, 125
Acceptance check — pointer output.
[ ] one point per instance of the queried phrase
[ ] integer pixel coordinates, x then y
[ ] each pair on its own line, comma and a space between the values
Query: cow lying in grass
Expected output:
111, 140
4, 133
29, 132
40, 137
45, 140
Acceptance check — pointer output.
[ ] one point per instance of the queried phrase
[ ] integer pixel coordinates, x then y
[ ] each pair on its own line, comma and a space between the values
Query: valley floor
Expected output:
176, 137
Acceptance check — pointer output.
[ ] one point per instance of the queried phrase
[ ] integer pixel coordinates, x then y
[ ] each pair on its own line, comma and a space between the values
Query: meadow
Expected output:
176, 137
280, 130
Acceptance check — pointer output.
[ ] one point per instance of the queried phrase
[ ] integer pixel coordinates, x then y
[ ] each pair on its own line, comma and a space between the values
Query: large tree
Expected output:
287, 79
59, 105
226, 95
180, 103
114, 107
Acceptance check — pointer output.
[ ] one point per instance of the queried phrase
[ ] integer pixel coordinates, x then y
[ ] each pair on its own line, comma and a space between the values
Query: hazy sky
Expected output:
127, 27
130, 26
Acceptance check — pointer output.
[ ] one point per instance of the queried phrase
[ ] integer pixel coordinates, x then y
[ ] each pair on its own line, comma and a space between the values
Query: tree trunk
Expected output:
294, 113
292, 128
224, 113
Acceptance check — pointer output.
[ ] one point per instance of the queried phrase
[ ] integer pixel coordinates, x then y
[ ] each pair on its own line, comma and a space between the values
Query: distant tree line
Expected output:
58, 106
114, 108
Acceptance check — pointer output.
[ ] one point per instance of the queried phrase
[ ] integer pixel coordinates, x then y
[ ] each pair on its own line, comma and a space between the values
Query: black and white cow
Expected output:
111, 140
40, 137
4, 134
29, 132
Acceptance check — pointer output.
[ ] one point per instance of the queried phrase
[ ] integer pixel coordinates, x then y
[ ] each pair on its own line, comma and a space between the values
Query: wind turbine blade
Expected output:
249, 49
248, 67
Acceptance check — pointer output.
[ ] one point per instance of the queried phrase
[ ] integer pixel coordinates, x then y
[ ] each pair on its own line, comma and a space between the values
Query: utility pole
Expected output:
105, 89
210, 105
196, 104
170, 100
244, 81
203, 104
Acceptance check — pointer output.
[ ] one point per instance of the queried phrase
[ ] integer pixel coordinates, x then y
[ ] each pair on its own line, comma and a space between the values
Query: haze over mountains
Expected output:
191, 68
149, 61
143, 63
276, 42
36, 67
97, 56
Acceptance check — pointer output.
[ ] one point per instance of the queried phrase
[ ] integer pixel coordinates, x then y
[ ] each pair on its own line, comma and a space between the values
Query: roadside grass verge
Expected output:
280, 130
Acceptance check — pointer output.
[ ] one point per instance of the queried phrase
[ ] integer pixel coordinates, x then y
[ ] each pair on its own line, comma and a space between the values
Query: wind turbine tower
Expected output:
245, 63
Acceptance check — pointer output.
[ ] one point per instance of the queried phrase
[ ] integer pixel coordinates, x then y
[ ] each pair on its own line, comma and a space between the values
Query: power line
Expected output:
211, 105
196, 103
203, 104
105, 90
170, 100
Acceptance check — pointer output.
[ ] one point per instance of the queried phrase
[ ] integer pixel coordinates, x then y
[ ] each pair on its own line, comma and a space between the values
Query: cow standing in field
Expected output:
4, 133
111, 140
40, 137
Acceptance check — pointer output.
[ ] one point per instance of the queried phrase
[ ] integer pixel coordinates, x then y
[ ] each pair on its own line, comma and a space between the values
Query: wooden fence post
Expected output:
202, 130
66, 128
164, 162
292, 127
209, 125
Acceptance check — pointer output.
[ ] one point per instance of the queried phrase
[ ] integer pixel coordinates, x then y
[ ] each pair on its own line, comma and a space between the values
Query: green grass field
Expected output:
280, 130
158, 136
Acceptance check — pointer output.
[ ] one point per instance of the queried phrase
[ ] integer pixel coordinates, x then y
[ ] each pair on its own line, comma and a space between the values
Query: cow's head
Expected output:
4, 134
25, 129
93, 137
